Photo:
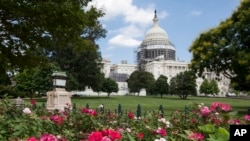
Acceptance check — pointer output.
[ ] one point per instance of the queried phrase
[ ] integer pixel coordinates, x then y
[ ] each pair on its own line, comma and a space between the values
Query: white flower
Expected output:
167, 124
26, 110
128, 130
137, 117
101, 106
59, 137
162, 120
161, 139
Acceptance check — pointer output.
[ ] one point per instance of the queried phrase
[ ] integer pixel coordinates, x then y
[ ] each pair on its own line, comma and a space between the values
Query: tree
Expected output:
173, 86
204, 88
84, 68
30, 30
209, 87
161, 85
214, 87
140, 79
225, 49
37, 80
109, 86
183, 84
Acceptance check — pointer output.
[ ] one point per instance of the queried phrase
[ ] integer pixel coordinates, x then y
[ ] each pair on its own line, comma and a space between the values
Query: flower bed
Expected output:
198, 122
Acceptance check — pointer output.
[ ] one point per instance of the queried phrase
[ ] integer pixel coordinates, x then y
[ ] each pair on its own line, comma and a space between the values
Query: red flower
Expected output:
216, 121
140, 135
104, 135
193, 120
131, 115
48, 137
33, 102
31, 139
57, 119
234, 121
95, 136
89, 111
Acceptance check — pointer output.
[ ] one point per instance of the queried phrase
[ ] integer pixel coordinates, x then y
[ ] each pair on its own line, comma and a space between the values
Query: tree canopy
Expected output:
161, 85
140, 79
30, 29
109, 86
209, 87
183, 84
64, 32
226, 48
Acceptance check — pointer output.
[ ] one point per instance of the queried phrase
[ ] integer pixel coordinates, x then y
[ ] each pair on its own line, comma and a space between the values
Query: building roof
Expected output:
156, 32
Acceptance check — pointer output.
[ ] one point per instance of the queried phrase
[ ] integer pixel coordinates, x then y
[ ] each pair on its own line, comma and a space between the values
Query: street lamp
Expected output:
58, 98
59, 79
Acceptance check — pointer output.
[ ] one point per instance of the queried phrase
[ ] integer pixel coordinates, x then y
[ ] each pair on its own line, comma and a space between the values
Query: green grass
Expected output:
169, 103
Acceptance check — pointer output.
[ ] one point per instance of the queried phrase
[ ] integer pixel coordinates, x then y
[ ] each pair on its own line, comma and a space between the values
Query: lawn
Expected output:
169, 103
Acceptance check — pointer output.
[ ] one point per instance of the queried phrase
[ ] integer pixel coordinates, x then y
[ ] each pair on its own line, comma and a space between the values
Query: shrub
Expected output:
198, 122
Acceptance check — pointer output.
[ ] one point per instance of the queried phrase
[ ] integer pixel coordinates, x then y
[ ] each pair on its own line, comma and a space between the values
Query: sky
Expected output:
127, 22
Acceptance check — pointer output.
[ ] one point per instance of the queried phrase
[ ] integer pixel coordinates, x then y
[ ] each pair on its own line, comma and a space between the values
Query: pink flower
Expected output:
31, 139
234, 121
225, 107
161, 131
247, 117
196, 136
222, 106
48, 137
214, 106
106, 138
205, 111
44, 117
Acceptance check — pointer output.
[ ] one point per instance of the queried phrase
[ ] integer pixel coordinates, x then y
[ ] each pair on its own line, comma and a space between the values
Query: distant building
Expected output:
156, 54
155, 46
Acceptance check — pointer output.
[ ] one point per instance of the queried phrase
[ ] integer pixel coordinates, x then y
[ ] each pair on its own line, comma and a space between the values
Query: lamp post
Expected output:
59, 79
58, 98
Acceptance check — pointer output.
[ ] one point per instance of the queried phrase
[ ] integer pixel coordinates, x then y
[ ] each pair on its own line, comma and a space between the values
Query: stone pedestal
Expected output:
58, 98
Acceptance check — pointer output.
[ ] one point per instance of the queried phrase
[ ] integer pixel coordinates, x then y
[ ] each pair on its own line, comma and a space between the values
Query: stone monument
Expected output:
58, 98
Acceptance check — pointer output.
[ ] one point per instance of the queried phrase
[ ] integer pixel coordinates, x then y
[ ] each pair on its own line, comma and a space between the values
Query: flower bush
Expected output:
197, 122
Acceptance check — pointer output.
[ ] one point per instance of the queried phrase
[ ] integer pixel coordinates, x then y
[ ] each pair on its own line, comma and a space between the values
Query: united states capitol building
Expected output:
157, 55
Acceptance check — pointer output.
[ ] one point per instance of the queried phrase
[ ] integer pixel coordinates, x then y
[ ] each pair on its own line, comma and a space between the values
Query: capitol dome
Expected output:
156, 45
156, 32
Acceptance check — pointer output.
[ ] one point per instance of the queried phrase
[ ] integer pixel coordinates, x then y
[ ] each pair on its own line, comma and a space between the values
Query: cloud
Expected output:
125, 41
195, 13
135, 20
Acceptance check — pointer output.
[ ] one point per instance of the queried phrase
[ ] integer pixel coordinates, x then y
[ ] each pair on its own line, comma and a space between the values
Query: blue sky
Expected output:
127, 21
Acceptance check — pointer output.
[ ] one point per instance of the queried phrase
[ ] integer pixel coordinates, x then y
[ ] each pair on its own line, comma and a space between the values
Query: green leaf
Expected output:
222, 134
234, 113
208, 128
130, 137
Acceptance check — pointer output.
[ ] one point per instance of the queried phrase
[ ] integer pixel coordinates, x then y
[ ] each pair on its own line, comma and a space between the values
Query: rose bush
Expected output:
197, 122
